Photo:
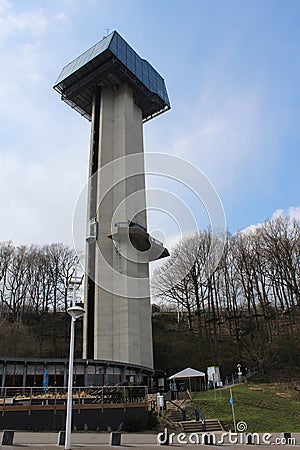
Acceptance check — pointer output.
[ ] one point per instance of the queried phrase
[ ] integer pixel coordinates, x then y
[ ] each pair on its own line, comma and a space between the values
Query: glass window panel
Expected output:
130, 53
109, 379
152, 86
99, 380
51, 369
113, 45
159, 84
131, 58
39, 370
94, 51
122, 45
117, 379
30, 370
79, 370
82, 60
59, 369
90, 380
145, 79
19, 369
89, 53
139, 74
10, 369
122, 57
131, 65
130, 372
138, 62
71, 66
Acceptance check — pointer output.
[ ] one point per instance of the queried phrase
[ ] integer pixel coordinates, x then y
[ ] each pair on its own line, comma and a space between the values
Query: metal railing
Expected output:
179, 407
28, 396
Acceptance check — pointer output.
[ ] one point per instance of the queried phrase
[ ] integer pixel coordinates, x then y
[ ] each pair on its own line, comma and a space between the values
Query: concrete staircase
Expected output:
191, 426
175, 413
188, 425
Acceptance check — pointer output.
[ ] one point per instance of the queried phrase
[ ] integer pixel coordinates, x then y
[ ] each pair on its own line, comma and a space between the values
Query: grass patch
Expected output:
259, 406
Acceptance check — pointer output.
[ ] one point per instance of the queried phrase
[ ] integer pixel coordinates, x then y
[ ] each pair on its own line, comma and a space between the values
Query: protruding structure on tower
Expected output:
117, 90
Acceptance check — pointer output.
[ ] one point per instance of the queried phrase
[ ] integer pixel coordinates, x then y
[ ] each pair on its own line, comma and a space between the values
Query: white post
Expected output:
70, 387
214, 383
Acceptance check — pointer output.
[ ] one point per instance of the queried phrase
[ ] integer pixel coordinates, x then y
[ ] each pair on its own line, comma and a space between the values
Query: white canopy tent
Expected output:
190, 374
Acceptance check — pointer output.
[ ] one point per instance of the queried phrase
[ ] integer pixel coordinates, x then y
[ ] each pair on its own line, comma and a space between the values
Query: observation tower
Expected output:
117, 91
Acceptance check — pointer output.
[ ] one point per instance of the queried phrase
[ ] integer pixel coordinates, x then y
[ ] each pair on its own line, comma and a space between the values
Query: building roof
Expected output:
112, 62
187, 373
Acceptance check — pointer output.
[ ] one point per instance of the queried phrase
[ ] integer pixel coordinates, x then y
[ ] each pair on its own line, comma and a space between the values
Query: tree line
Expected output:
247, 295
34, 279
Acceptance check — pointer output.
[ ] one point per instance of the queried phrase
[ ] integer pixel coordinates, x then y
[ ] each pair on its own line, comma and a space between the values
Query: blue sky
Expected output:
232, 70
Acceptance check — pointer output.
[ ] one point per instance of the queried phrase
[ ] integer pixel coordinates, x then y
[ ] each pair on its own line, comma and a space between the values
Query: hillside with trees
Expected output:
34, 296
224, 302
243, 307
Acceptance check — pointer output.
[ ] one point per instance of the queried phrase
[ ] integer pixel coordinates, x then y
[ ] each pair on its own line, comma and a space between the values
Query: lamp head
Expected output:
76, 312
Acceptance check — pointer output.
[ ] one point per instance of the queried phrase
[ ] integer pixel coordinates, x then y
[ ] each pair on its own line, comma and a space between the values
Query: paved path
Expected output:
100, 441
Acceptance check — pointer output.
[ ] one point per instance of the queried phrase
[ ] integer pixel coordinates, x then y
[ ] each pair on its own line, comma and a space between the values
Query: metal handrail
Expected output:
182, 410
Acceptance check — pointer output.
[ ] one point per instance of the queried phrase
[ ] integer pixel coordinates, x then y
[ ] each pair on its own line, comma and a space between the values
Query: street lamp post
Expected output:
239, 372
75, 312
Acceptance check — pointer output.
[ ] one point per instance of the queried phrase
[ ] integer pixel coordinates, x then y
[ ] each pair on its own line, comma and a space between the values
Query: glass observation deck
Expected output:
110, 63
140, 239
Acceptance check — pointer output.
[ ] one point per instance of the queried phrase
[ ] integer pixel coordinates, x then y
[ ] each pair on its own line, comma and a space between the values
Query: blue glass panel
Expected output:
130, 53
152, 85
119, 47
122, 45
122, 57
131, 65
138, 63
84, 58
139, 73
145, 79
113, 44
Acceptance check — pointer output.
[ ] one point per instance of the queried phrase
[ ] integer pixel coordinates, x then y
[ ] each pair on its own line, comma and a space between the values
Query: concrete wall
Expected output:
91, 419
122, 324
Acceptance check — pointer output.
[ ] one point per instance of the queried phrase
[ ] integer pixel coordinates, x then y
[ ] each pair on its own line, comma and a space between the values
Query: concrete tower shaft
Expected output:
118, 91
122, 326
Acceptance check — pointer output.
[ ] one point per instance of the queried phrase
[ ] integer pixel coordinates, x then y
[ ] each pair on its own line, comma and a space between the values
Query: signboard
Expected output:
213, 374
160, 401
46, 381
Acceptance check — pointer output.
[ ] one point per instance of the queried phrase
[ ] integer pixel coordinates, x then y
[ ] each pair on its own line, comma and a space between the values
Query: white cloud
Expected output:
293, 213
223, 133
42, 171
278, 213
37, 198
21, 36
4, 6
29, 24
